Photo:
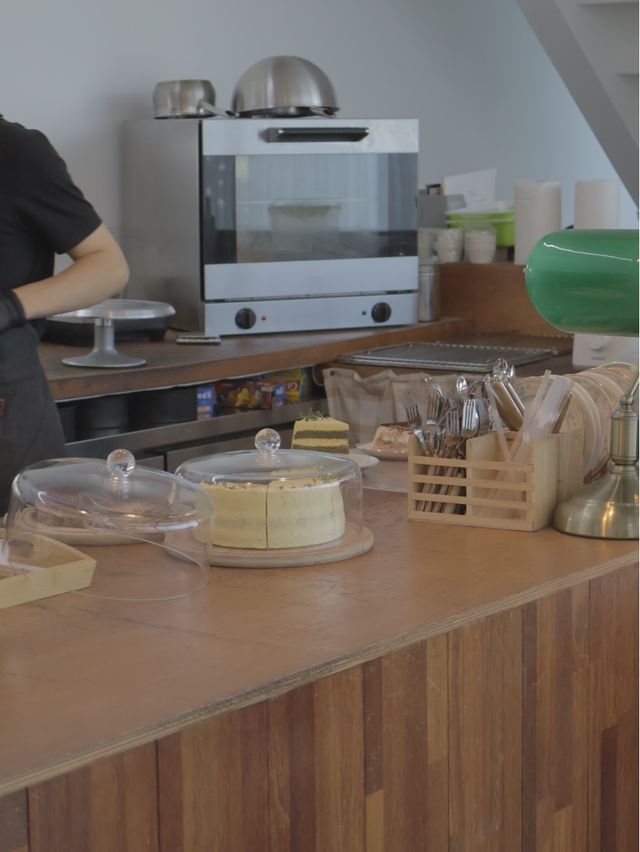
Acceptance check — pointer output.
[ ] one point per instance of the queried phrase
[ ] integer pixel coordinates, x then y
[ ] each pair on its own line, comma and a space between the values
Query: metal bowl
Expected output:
183, 98
285, 86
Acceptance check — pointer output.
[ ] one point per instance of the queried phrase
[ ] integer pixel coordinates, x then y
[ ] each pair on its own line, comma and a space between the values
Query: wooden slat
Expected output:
220, 801
339, 755
613, 703
373, 726
555, 718
413, 726
110, 805
316, 766
485, 730
292, 771
14, 829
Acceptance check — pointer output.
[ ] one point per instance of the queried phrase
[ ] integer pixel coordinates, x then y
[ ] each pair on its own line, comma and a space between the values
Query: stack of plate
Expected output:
595, 395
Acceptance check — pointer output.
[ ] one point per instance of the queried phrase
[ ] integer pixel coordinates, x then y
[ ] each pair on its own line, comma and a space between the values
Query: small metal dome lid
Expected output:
114, 496
268, 463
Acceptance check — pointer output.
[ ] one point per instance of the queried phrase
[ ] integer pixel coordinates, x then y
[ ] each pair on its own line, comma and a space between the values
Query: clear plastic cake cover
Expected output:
273, 499
146, 529
266, 463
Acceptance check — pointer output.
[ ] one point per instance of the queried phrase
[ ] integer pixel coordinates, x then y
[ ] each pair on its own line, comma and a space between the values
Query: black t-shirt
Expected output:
42, 212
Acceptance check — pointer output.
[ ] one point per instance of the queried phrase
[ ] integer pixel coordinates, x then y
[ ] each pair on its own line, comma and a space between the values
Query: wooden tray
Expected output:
352, 543
46, 567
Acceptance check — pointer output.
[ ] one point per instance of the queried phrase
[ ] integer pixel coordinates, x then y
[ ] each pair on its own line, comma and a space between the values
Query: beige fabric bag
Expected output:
366, 402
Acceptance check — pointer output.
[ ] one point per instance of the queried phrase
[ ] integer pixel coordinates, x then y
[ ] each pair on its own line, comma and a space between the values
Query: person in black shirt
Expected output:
42, 213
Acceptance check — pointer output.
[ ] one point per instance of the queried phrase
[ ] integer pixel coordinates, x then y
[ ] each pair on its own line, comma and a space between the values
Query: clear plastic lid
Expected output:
92, 504
273, 499
267, 463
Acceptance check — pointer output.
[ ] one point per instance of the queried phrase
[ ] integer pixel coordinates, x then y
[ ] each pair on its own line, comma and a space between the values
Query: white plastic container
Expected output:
480, 244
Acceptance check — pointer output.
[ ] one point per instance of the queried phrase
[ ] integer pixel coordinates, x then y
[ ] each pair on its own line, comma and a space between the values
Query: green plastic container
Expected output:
503, 222
586, 281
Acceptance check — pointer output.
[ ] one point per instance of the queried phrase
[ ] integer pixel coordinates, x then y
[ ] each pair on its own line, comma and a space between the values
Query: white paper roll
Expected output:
538, 211
597, 204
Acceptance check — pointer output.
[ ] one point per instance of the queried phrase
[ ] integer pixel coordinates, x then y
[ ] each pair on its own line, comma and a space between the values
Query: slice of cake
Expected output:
391, 438
303, 513
321, 434
240, 514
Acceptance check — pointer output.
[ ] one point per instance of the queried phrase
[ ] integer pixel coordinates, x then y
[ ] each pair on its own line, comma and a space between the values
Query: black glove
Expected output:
11, 311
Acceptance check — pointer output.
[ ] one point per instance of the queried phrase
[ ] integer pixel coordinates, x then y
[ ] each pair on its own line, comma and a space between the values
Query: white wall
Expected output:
472, 72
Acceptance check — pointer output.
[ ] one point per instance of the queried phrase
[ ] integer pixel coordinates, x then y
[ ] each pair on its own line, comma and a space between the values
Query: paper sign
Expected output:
477, 187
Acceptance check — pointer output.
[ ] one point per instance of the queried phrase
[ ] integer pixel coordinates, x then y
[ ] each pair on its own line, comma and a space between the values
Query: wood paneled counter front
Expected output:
453, 689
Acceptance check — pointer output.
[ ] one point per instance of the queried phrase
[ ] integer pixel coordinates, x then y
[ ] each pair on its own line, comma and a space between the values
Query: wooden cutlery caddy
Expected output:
484, 491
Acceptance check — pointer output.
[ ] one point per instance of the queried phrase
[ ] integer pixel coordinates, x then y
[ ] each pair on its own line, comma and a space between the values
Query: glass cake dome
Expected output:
159, 520
280, 507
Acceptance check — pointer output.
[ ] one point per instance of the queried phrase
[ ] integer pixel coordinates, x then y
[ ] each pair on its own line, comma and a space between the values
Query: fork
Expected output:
415, 418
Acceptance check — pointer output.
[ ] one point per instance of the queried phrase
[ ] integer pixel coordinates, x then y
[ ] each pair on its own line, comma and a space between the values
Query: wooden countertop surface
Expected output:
81, 678
169, 363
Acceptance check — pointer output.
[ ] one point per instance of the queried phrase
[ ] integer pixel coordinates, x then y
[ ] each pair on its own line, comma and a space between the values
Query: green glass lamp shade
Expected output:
586, 281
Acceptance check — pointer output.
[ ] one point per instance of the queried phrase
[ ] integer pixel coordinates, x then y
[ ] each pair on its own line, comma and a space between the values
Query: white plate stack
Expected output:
595, 395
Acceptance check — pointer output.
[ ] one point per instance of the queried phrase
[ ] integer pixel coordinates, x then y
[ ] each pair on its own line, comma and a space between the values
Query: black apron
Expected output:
30, 429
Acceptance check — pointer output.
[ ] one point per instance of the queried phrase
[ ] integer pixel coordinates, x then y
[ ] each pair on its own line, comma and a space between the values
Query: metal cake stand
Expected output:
102, 315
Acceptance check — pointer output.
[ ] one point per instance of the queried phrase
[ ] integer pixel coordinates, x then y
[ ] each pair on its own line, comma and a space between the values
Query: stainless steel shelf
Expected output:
193, 432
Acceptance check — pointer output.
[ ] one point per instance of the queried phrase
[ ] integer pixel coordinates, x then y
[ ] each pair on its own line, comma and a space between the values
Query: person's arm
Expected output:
99, 271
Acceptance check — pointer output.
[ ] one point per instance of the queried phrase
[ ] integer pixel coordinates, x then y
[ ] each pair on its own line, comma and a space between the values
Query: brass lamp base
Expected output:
607, 508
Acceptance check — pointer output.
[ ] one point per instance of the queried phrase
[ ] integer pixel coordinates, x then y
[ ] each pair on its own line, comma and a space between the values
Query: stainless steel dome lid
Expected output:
284, 85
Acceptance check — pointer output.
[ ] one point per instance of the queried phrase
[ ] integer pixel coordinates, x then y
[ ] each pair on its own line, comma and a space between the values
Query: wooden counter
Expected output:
169, 363
454, 689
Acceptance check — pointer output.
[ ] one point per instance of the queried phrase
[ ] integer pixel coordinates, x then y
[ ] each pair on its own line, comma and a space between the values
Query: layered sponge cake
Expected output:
321, 434
279, 514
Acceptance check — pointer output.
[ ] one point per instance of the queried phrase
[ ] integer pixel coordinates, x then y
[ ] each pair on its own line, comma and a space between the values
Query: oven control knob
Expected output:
245, 318
381, 312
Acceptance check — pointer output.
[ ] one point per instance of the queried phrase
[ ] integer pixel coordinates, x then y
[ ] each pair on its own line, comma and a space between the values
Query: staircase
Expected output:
594, 47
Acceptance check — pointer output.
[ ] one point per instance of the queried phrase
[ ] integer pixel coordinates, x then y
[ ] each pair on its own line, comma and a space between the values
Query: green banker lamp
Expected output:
587, 281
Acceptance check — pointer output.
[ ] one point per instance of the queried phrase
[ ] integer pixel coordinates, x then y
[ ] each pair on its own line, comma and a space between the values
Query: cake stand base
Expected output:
354, 542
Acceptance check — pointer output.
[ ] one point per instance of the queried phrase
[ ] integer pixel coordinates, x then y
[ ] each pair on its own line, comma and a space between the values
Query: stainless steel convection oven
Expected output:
253, 225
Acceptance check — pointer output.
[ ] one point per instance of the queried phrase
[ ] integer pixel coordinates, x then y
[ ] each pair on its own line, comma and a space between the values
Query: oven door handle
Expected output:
316, 134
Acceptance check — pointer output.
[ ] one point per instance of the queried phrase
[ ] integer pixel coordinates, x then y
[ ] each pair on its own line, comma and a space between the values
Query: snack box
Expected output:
253, 394
206, 402
297, 382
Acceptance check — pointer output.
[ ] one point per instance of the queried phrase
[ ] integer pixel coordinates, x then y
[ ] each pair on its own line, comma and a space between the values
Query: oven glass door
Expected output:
292, 207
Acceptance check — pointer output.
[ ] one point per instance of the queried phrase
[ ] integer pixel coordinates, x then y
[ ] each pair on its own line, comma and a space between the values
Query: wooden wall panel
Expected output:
406, 749
108, 805
14, 829
613, 705
555, 719
316, 767
485, 735
213, 785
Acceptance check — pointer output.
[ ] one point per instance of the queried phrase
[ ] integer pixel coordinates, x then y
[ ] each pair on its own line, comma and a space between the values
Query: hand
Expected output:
11, 311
